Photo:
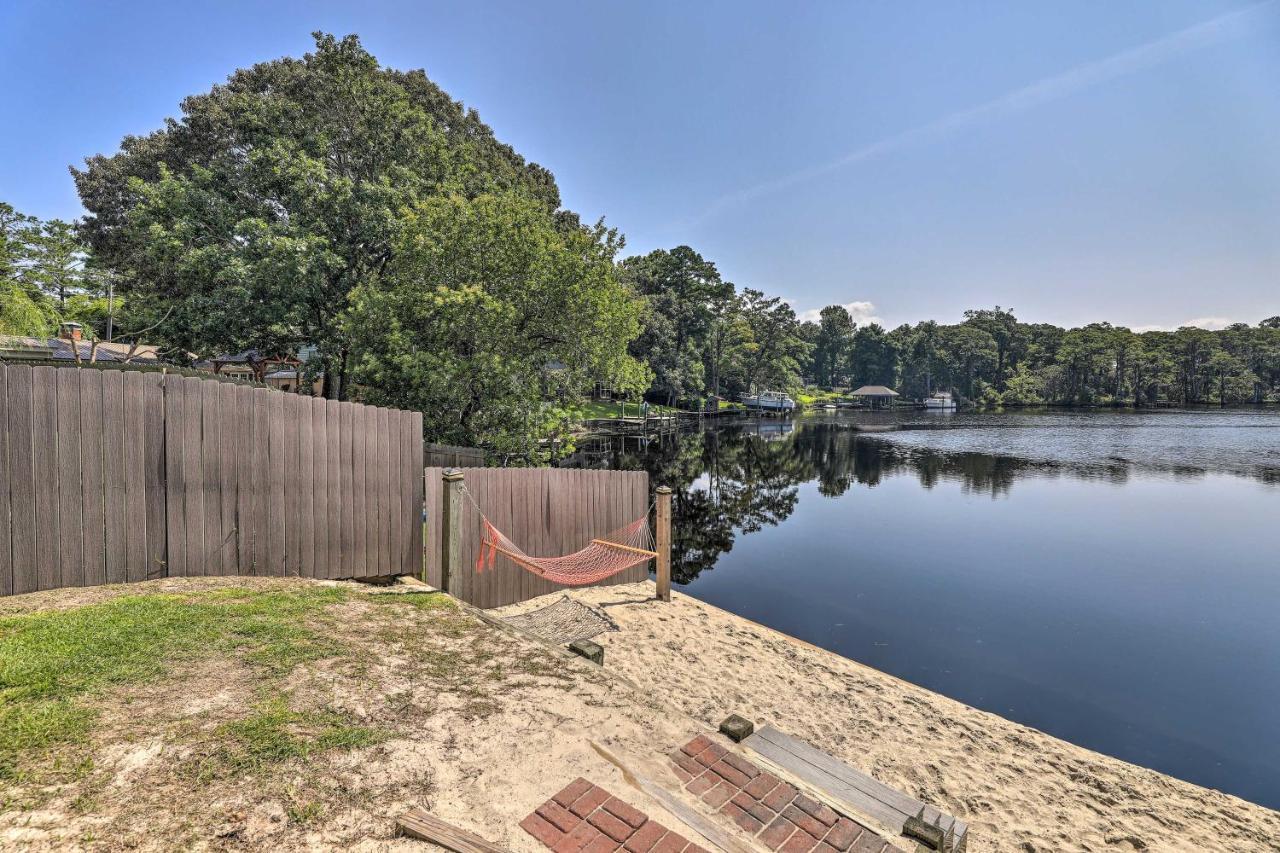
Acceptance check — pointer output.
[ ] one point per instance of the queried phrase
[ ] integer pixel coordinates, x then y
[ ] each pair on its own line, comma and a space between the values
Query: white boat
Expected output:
940, 400
769, 401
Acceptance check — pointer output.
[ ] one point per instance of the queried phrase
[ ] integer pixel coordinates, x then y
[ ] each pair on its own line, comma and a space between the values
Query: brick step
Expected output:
770, 810
585, 818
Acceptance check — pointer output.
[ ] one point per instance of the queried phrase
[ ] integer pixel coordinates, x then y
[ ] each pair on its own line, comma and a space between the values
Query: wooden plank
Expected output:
19, 423
431, 535
413, 470
384, 502
837, 781
224, 494
292, 500
371, 521
45, 438
333, 419
71, 496
6, 536
359, 481
306, 520
395, 496
245, 442
193, 474
154, 408
210, 474
421, 824
276, 428
115, 507
175, 472
346, 519
135, 475
260, 477
320, 483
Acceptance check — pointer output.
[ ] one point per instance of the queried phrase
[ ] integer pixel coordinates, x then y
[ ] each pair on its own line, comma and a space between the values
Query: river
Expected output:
1109, 577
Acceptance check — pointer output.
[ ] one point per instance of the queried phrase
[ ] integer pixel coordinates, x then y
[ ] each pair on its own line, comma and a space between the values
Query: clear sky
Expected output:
1076, 161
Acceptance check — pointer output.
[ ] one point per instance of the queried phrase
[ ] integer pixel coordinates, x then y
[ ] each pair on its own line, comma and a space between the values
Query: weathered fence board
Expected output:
547, 511
110, 476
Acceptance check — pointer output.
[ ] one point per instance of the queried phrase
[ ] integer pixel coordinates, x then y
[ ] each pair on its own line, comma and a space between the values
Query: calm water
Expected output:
1110, 578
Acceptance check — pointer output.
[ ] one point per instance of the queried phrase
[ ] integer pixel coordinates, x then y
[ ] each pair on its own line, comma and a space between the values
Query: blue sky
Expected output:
1075, 161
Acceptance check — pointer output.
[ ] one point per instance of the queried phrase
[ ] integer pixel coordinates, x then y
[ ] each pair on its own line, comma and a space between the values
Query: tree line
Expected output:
330, 204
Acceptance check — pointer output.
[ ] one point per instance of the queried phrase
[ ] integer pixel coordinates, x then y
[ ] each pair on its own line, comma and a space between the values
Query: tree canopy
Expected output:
258, 213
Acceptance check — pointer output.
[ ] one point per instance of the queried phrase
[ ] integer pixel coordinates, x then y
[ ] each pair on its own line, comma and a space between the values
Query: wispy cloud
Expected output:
863, 313
1048, 89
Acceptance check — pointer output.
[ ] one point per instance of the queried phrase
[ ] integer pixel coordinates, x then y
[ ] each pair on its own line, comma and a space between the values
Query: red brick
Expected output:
702, 784
634, 817
688, 762
589, 802
761, 785
583, 835
541, 830
843, 834
799, 842
869, 842
611, 826
780, 797
600, 844
742, 818
824, 847
711, 755
672, 842
813, 808
682, 774
719, 795
734, 777
776, 834
696, 745
746, 768
572, 791
694, 848
558, 816
645, 837
807, 822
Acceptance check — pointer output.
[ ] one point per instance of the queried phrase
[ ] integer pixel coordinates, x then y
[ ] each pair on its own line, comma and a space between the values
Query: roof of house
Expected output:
60, 349
874, 391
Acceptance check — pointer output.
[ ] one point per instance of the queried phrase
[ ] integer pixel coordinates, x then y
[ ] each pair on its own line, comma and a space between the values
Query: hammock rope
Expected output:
603, 557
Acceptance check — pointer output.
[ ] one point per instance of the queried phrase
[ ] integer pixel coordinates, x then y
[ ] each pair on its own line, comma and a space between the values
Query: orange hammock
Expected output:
620, 550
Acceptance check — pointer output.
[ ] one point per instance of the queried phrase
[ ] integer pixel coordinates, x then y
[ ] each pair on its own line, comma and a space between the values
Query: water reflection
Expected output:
740, 478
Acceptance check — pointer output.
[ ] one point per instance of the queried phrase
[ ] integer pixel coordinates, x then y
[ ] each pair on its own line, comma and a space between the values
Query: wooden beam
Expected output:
420, 824
663, 537
609, 544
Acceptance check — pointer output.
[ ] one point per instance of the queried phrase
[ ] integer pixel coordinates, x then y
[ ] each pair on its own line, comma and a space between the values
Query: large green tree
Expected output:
257, 214
488, 300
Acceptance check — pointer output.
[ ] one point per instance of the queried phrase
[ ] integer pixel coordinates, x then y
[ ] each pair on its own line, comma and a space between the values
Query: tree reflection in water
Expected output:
737, 479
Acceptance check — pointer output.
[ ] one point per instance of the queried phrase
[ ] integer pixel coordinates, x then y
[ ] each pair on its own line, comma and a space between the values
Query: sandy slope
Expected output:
1020, 789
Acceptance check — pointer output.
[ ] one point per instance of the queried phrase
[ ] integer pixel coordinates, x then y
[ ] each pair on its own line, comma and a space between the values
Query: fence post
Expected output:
663, 537
450, 528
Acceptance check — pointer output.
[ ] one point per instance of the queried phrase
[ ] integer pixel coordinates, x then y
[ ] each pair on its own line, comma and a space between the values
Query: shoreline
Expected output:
1019, 788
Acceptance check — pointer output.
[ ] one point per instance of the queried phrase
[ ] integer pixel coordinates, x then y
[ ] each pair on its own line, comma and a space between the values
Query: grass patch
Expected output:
50, 661
274, 733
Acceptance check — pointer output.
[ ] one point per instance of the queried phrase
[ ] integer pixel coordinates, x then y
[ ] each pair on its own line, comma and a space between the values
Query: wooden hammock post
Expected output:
450, 528
662, 535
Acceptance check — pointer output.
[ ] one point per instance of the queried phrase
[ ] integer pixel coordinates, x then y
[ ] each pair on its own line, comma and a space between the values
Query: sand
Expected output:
1020, 789
484, 725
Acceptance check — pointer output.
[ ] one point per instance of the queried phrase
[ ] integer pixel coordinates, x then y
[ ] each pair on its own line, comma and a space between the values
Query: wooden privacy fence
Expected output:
548, 511
111, 476
452, 456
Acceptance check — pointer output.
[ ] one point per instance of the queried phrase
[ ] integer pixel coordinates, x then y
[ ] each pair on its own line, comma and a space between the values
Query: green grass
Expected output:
589, 409
274, 732
51, 661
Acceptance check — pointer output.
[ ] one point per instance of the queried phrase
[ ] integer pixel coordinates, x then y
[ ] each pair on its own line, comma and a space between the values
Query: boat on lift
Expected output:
770, 401
940, 401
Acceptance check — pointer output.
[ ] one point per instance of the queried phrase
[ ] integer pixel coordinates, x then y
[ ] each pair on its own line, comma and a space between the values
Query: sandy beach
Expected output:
1020, 789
